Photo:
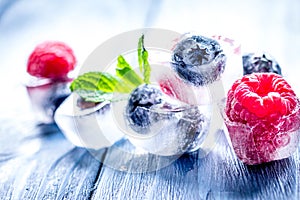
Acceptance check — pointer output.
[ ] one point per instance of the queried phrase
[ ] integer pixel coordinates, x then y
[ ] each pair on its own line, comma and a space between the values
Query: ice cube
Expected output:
45, 96
173, 130
89, 126
260, 62
198, 60
137, 109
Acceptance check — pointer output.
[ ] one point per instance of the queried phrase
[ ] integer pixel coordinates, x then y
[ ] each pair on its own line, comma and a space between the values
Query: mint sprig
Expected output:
91, 81
143, 60
125, 72
100, 86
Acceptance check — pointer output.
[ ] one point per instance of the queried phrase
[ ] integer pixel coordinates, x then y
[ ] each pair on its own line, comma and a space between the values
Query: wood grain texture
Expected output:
52, 168
58, 170
220, 175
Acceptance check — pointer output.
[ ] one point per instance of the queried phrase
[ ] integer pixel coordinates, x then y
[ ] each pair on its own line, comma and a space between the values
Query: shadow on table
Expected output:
222, 176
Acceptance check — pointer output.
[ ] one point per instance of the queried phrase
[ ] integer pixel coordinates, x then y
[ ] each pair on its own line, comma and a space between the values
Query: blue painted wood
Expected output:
220, 175
58, 170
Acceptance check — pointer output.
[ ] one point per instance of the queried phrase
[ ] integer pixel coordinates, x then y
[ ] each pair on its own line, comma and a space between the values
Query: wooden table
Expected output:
42, 164
38, 162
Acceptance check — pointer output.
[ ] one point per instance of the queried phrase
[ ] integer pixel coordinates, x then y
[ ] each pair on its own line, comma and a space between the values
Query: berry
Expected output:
138, 108
51, 59
262, 111
198, 60
264, 95
172, 86
254, 62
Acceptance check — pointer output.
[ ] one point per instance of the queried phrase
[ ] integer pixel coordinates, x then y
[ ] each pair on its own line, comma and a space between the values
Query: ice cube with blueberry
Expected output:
260, 62
139, 104
198, 60
163, 125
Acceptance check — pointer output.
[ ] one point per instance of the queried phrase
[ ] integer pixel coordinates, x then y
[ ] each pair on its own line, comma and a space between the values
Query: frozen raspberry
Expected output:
198, 60
263, 94
175, 88
138, 108
262, 112
254, 62
51, 59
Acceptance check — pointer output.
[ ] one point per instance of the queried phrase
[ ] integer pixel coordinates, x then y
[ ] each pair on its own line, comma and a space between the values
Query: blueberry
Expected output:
254, 62
140, 101
198, 60
193, 127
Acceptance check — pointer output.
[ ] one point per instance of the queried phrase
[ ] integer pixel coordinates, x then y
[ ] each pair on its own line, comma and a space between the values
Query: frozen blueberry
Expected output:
137, 110
192, 127
198, 60
254, 62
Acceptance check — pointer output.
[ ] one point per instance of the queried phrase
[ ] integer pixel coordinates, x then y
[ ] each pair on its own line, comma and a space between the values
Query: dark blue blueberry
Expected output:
255, 63
192, 126
140, 101
198, 60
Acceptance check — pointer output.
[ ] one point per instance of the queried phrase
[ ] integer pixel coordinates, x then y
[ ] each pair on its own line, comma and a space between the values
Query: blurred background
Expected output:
270, 25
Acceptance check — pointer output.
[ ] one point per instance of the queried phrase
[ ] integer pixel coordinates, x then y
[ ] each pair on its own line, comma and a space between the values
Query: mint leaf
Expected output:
98, 86
143, 60
95, 95
125, 72
95, 81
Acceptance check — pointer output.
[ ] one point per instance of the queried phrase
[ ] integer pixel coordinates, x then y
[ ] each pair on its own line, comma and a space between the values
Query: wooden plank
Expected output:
29, 159
56, 170
220, 175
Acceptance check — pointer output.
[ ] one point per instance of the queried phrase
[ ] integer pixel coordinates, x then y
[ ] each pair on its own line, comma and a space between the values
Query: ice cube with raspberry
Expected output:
48, 67
260, 62
198, 60
263, 118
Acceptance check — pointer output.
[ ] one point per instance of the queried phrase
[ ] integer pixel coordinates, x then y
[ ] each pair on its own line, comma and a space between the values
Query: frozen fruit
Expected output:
48, 86
260, 62
46, 98
193, 126
138, 108
51, 59
263, 94
172, 86
262, 115
198, 60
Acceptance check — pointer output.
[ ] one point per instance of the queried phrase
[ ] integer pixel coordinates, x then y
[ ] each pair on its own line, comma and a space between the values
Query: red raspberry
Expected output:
262, 111
264, 95
173, 87
51, 59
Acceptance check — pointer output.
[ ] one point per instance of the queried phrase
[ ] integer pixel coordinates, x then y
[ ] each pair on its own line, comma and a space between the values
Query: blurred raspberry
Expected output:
51, 59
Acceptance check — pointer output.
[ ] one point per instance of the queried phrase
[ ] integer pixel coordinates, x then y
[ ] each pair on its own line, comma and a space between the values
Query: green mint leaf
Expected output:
100, 86
94, 86
125, 72
94, 81
143, 60
94, 96
140, 52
